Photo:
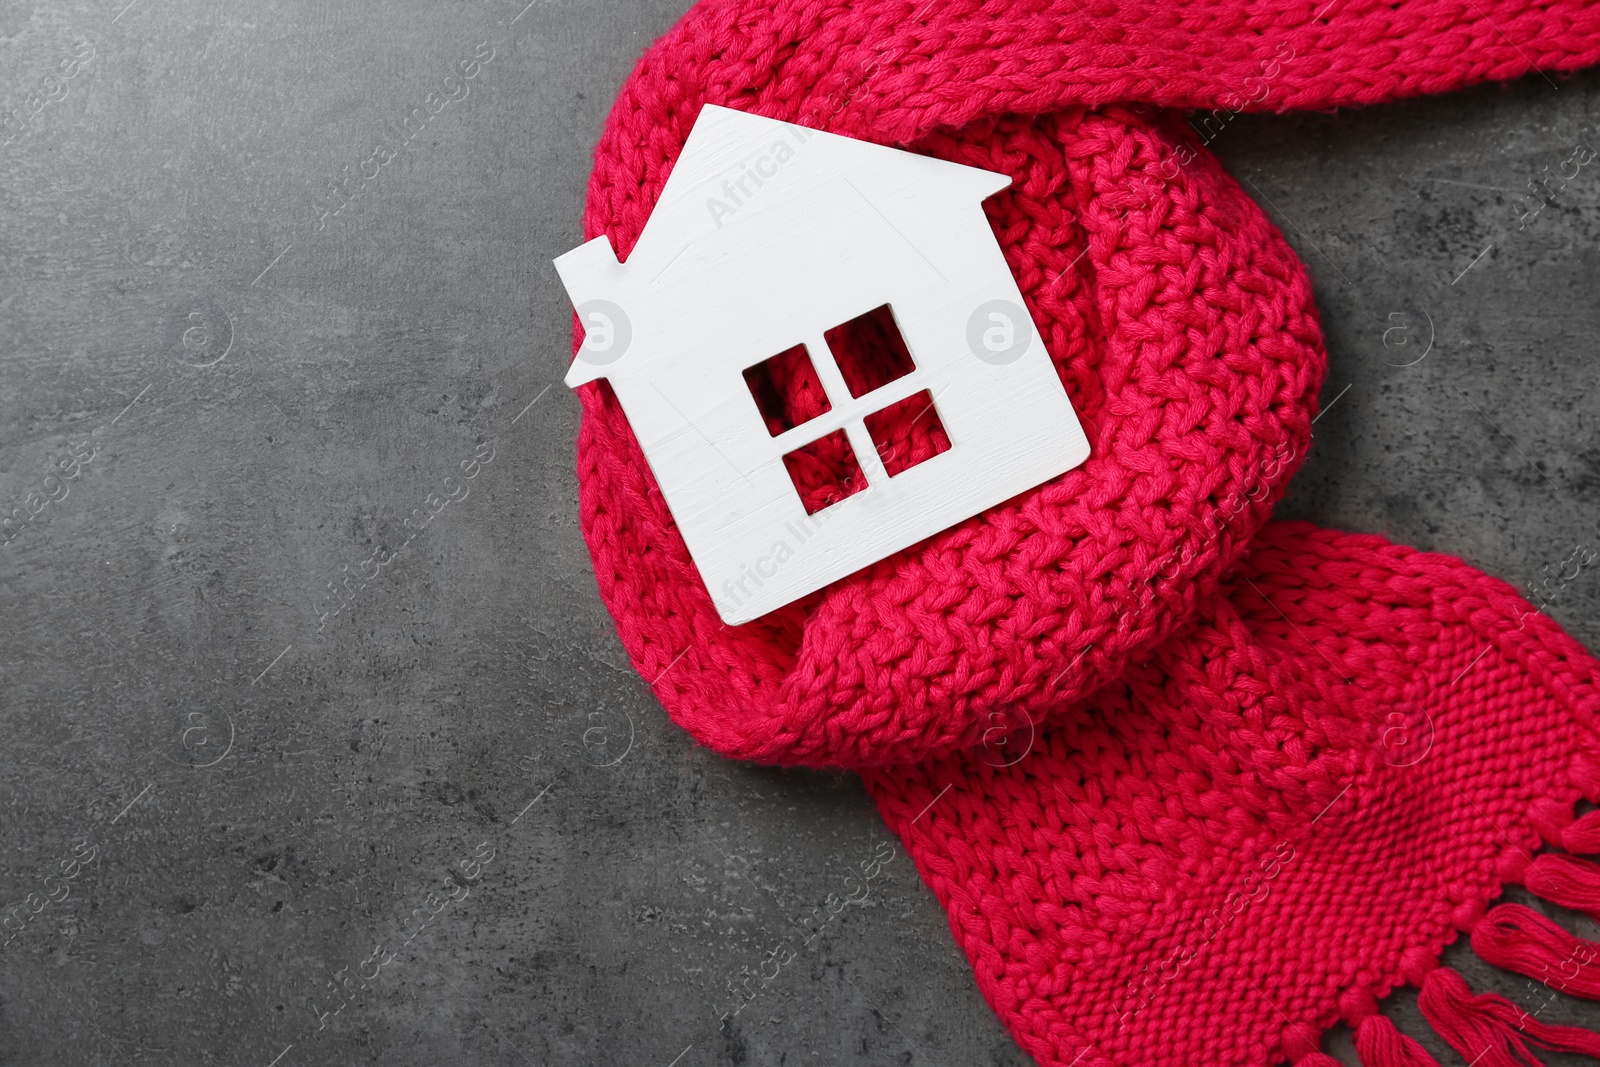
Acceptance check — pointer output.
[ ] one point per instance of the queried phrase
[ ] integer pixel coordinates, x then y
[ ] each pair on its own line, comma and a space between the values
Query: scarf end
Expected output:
1486, 1029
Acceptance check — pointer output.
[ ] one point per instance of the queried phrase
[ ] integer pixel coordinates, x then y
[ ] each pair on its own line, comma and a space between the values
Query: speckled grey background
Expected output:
259, 389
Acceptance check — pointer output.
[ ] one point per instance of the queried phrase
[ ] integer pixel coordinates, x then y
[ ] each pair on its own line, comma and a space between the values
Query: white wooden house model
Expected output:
768, 236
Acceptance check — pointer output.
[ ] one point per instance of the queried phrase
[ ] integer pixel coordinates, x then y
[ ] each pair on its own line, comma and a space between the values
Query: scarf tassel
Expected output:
1379, 1043
1521, 940
1491, 1031
1583, 834
1565, 880
1486, 1029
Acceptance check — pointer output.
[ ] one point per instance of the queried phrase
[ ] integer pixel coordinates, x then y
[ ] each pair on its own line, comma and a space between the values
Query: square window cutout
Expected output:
825, 471
786, 389
908, 432
870, 351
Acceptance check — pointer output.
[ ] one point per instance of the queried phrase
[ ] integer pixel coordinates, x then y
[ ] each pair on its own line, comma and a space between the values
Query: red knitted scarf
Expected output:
1191, 788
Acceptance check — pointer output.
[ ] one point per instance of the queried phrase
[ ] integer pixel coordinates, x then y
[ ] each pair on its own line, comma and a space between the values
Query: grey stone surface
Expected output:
264, 396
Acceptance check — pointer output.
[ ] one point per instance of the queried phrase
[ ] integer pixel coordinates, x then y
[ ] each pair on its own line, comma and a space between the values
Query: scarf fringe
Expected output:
1487, 1029
1583, 835
1565, 880
1380, 1043
1490, 1030
1521, 940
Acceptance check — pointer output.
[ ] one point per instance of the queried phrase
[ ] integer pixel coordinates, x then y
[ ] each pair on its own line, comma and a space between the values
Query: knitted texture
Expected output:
1199, 706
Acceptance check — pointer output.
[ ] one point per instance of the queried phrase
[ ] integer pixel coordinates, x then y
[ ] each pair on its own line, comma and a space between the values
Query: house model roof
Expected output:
736, 172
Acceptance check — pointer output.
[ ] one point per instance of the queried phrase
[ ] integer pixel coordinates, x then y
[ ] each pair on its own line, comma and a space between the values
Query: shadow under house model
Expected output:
768, 238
